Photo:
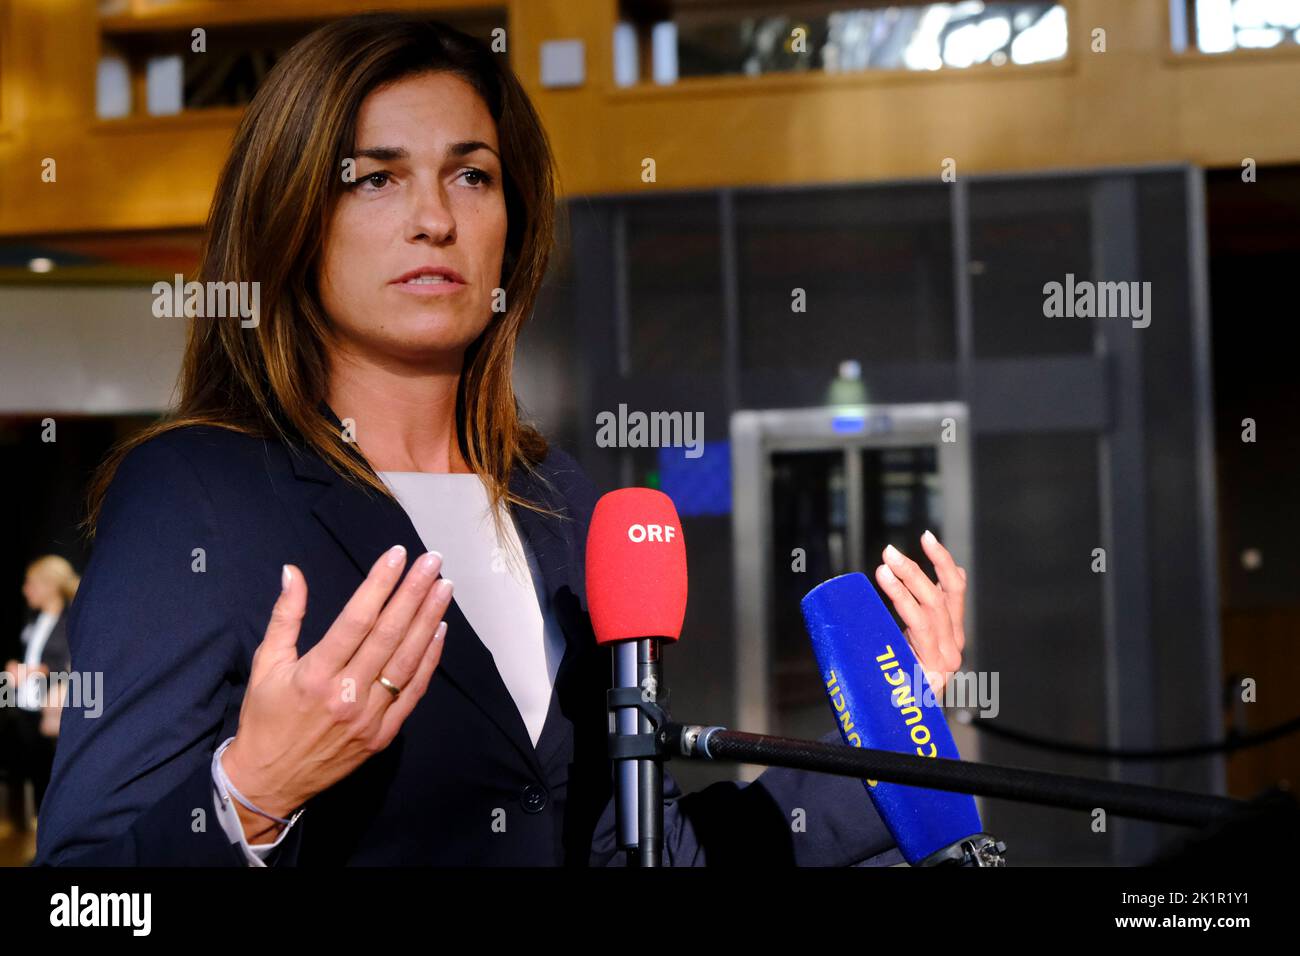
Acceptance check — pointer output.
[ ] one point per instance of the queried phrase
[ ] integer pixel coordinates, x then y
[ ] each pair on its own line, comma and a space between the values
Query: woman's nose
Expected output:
431, 215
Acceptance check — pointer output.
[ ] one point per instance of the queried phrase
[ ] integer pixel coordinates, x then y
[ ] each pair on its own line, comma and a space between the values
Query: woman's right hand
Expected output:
307, 722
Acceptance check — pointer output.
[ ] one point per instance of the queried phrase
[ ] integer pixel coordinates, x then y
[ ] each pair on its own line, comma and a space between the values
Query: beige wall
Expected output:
96, 350
100, 350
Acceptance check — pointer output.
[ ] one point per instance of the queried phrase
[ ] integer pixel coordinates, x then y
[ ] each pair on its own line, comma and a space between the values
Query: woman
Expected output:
26, 748
392, 190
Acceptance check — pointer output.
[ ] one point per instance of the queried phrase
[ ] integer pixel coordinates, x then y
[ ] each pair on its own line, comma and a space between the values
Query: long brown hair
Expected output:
267, 222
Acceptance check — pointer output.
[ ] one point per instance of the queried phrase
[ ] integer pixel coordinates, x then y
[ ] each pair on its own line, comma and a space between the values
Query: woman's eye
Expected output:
374, 176
483, 177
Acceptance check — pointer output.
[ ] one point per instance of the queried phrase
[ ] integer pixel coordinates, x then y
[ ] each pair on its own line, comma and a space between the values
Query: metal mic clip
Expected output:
650, 745
978, 850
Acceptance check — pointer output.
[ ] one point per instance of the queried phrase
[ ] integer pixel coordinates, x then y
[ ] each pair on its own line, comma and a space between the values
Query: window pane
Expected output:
1224, 25
716, 39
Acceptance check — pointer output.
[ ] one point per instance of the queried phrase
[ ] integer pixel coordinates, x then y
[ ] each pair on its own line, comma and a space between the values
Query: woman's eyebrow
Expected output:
388, 153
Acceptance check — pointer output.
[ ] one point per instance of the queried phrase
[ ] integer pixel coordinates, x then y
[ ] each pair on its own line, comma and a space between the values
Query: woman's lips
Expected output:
429, 288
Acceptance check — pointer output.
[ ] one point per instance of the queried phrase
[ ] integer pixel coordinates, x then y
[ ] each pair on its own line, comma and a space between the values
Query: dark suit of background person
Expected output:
25, 752
175, 646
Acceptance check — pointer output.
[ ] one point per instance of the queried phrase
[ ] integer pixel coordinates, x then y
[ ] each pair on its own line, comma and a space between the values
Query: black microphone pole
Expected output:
939, 773
634, 747
650, 838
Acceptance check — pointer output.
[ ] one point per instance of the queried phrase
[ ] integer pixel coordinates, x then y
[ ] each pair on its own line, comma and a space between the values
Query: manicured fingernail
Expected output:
892, 555
286, 578
441, 632
887, 574
429, 561
929, 536
396, 554
444, 587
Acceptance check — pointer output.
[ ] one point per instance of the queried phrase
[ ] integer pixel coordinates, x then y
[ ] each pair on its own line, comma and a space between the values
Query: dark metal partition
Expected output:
1086, 433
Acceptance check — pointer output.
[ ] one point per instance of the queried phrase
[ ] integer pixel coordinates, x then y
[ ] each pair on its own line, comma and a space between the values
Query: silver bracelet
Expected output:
225, 782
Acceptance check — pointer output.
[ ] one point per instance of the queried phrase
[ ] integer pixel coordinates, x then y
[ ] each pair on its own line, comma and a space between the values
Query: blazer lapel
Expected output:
365, 524
557, 557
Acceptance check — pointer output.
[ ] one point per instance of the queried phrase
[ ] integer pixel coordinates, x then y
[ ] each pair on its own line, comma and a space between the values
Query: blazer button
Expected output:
534, 798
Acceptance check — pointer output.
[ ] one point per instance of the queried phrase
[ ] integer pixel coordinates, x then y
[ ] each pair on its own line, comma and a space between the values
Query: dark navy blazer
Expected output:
176, 597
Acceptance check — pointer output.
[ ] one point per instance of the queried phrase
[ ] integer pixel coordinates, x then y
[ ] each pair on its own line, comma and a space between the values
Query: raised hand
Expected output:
307, 722
933, 613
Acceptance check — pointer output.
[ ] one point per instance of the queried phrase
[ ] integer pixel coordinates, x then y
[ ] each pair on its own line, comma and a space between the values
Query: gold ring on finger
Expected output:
389, 686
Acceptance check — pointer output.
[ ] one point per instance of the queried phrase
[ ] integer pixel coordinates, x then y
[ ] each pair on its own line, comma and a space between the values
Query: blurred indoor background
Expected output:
921, 170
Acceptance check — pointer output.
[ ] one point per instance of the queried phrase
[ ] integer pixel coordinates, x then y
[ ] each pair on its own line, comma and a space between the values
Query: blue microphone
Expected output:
869, 673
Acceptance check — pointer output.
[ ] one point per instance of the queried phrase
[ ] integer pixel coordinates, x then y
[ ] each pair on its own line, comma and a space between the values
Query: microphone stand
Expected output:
1229, 827
634, 745
643, 737
939, 773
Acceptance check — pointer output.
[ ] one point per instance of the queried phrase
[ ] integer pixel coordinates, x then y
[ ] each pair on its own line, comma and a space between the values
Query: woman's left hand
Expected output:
932, 612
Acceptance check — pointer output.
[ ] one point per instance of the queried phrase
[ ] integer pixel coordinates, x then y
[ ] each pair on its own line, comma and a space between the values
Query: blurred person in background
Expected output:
27, 730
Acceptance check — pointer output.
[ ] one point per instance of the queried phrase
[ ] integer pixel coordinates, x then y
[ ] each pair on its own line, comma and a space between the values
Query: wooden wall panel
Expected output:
1135, 103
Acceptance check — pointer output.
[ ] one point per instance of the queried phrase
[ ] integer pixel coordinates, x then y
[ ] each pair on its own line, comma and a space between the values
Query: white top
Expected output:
495, 582
35, 635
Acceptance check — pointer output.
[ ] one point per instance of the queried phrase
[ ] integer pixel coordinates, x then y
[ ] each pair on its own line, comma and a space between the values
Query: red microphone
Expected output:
636, 596
636, 567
